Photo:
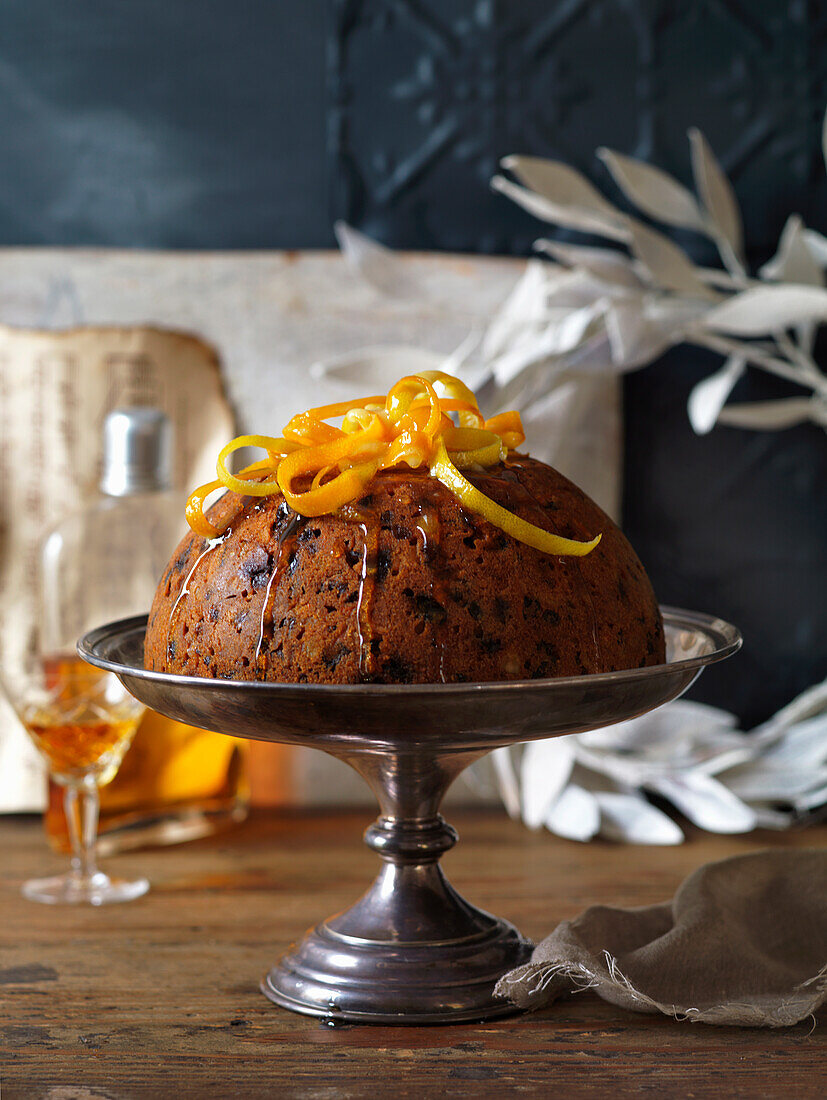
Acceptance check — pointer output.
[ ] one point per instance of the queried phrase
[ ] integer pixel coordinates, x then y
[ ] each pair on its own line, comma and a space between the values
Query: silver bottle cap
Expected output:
137, 452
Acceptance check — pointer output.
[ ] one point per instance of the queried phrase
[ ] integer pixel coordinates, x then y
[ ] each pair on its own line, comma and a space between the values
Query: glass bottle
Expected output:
176, 782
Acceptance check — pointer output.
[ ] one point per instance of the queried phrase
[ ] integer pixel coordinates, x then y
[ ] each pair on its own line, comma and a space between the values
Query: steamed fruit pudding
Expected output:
410, 544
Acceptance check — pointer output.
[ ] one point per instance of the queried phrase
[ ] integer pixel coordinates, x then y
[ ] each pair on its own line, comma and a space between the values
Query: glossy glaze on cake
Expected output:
405, 586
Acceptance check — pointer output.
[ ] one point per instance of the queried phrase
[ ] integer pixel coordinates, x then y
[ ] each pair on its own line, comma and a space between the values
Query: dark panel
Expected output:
170, 123
219, 123
733, 523
427, 95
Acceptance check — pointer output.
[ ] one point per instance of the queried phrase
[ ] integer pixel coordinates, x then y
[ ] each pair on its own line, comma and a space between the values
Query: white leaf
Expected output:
680, 736
461, 362
655, 732
523, 389
728, 758
544, 771
767, 817
761, 780
766, 309
563, 332
705, 801
575, 815
567, 332
793, 262
560, 184
716, 192
583, 218
668, 265
709, 396
603, 264
633, 820
507, 780
674, 310
653, 190
813, 798
383, 268
593, 356
817, 246
633, 338
805, 337
770, 415
375, 369
809, 704
804, 744
626, 771
524, 306
573, 289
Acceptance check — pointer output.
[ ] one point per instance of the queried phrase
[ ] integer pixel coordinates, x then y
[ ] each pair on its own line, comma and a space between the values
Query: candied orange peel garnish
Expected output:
319, 468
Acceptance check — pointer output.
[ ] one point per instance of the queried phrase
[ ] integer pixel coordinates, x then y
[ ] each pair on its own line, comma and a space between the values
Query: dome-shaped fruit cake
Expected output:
409, 544
405, 585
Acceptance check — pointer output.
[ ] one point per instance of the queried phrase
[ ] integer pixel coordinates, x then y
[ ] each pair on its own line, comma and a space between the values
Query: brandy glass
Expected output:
82, 721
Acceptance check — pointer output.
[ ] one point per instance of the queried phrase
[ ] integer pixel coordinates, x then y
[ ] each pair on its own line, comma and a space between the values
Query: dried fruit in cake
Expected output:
401, 547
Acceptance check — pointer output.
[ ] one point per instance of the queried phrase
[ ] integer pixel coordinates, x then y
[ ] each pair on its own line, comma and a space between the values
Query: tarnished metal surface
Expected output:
411, 950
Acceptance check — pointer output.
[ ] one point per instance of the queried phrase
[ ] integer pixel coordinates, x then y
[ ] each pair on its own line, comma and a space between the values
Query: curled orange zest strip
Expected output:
320, 468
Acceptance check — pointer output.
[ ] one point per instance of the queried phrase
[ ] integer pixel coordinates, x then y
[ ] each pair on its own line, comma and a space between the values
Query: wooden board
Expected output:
160, 997
271, 315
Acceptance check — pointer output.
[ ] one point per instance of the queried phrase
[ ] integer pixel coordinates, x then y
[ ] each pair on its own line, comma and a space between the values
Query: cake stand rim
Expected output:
729, 641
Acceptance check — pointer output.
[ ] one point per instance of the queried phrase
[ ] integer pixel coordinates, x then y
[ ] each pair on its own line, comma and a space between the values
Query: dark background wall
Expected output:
254, 123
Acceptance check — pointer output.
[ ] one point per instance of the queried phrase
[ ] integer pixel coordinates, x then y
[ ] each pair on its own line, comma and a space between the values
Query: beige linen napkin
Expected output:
743, 941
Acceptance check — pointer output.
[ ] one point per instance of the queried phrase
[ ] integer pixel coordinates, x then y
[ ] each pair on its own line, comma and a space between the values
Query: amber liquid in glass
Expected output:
76, 747
80, 730
176, 782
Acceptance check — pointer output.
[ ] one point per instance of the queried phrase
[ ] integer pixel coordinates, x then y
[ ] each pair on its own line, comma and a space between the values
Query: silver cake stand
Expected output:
411, 950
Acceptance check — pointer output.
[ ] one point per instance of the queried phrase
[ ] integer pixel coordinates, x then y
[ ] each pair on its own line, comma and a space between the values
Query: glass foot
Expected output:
75, 889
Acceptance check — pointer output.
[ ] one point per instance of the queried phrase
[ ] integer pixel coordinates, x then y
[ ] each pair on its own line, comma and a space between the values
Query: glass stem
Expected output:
81, 806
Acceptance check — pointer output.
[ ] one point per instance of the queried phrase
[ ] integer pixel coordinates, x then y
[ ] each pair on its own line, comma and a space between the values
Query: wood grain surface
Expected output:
160, 997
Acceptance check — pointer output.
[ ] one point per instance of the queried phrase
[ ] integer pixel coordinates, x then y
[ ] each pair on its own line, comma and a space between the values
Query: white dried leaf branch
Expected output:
719, 200
604, 264
709, 396
772, 415
379, 266
764, 309
631, 303
574, 216
562, 185
794, 261
689, 754
667, 264
653, 191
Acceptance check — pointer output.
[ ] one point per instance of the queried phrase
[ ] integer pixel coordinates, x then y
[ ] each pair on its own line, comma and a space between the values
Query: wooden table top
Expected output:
160, 997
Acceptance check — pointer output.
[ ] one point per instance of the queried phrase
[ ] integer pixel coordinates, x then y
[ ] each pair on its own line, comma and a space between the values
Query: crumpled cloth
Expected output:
743, 942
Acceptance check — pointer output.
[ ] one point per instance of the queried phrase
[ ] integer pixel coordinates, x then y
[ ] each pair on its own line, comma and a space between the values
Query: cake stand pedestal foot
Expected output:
411, 950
